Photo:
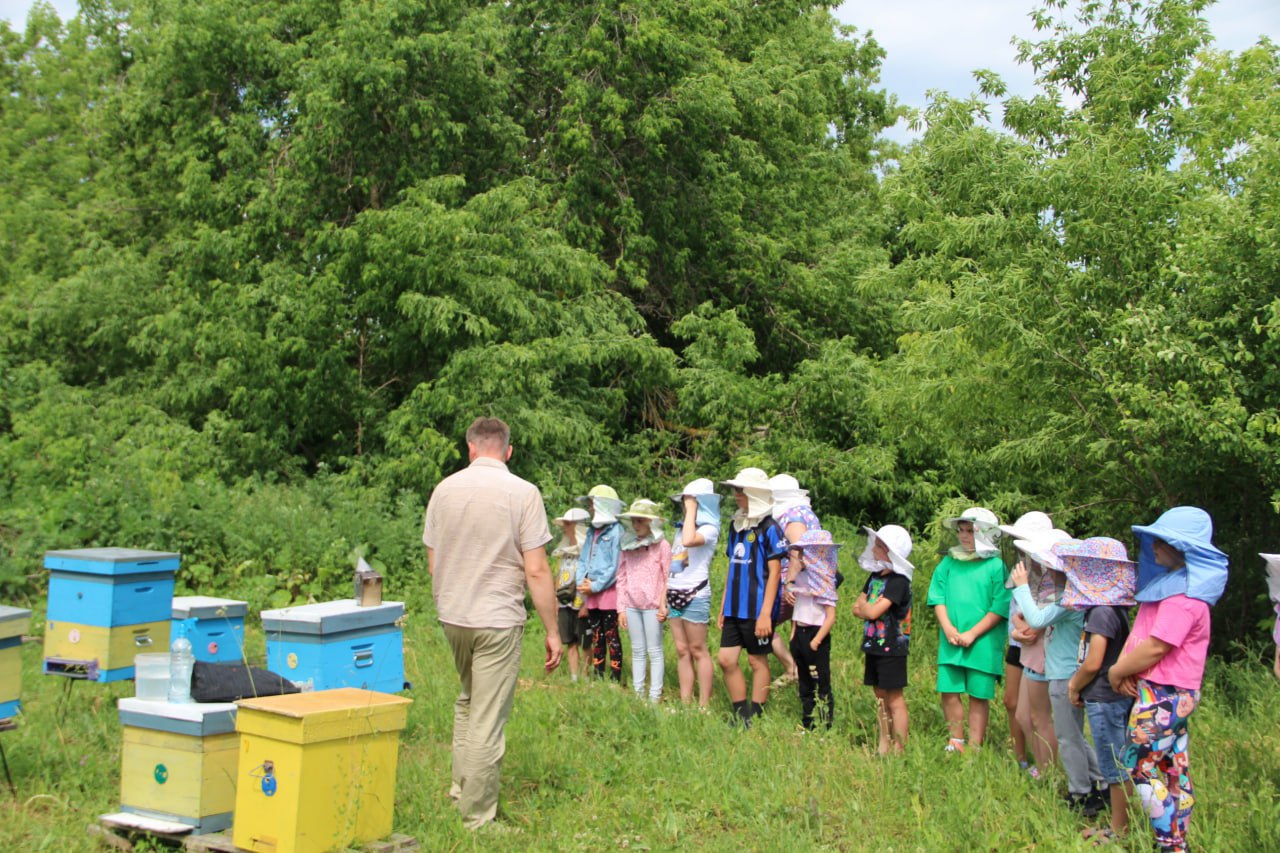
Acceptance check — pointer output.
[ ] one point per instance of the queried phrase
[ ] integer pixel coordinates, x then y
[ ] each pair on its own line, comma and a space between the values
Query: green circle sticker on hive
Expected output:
161, 774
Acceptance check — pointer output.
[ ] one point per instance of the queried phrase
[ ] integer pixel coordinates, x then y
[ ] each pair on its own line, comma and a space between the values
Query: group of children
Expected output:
1069, 651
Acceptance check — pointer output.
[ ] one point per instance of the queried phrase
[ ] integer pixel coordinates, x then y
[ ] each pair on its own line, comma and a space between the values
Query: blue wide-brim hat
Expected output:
1190, 530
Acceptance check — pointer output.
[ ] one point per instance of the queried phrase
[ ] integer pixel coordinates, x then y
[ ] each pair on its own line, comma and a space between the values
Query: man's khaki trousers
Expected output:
488, 662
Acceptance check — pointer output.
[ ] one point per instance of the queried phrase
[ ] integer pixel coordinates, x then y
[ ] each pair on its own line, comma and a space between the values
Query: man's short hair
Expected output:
491, 433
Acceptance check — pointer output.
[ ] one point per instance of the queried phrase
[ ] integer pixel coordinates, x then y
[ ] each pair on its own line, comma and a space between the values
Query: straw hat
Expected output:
749, 478
643, 508
979, 516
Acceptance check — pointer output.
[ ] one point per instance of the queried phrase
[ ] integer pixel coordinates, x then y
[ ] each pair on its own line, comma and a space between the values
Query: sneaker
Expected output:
1033, 771
1095, 802
955, 744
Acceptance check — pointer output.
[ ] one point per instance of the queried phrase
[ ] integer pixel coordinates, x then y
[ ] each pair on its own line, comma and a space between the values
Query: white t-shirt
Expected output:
697, 561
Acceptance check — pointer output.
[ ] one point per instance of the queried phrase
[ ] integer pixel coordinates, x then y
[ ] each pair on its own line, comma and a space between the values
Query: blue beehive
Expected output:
105, 606
337, 644
215, 626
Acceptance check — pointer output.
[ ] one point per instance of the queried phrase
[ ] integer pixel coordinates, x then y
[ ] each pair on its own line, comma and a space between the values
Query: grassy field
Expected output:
589, 766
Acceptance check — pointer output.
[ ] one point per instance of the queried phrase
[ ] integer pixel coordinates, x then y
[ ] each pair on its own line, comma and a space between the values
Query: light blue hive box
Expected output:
337, 644
105, 606
215, 626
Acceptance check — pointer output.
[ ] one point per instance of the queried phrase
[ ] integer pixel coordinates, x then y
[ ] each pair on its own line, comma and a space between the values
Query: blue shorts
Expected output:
698, 611
1108, 721
1032, 675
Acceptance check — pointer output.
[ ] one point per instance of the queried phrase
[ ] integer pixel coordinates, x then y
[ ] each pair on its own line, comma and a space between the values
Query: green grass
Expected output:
590, 766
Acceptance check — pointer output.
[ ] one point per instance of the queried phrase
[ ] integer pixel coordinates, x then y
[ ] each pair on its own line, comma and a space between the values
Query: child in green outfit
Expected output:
969, 597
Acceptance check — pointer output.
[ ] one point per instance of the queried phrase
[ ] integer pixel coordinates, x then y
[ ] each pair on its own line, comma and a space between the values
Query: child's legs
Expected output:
779, 648
896, 703
596, 626
981, 687
605, 640
1044, 741
806, 671
684, 659
1157, 753
953, 711
733, 637
1078, 760
636, 627
653, 649
951, 685
1012, 688
575, 663
760, 676
821, 661
696, 618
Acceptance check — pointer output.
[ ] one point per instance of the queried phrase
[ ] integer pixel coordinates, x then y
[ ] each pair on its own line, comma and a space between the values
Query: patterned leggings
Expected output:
1158, 761
604, 634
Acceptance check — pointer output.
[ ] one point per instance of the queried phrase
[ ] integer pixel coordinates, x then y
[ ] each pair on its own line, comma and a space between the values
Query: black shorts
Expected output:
742, 633
1013, 657
888, 672
573, 628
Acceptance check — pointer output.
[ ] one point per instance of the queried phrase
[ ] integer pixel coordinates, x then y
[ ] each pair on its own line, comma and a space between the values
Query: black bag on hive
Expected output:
227, 682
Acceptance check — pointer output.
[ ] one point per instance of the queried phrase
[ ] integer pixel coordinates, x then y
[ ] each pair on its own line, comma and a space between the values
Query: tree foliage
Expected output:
262, 263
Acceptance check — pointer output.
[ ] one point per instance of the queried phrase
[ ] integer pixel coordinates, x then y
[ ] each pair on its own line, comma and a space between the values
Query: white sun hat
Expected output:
1028, 526
897, 541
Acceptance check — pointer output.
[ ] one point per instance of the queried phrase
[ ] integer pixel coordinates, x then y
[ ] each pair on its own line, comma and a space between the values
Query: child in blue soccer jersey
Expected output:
755, 548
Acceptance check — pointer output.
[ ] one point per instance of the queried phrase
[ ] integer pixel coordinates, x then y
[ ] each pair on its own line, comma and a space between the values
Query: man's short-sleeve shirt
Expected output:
479, 523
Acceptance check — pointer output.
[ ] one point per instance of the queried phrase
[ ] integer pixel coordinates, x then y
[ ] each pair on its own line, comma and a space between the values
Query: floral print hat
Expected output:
820, 564
1099, 572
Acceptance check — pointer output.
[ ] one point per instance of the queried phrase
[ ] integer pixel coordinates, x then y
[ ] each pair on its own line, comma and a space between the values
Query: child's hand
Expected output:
585, 587
1073, 693
813, 644
764, 625
662, 613
965, 640
788, 596
1019, 575
720, 621
622, 620
953, 636
1125, 685
1025, 635
583, 612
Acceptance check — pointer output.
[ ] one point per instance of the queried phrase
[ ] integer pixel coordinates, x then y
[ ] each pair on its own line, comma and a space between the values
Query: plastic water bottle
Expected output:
181, 662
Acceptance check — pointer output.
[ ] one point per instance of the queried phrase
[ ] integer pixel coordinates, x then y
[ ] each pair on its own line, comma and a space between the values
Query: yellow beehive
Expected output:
178, 762
14, 622
107, 649
317, 771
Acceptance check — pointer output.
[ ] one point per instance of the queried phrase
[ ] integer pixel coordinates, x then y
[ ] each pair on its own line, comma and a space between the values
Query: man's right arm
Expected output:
542, 589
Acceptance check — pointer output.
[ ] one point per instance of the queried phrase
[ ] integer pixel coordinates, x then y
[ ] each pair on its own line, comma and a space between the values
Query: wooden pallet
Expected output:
121, 831
220, 842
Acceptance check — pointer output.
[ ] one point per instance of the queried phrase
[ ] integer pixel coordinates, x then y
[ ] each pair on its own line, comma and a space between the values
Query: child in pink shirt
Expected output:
1180, 575
642, 592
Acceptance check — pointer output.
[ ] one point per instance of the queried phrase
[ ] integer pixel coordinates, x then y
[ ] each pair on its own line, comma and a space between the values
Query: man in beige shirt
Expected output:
485, 529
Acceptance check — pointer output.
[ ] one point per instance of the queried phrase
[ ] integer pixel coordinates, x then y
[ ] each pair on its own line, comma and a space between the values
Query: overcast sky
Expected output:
936, 44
